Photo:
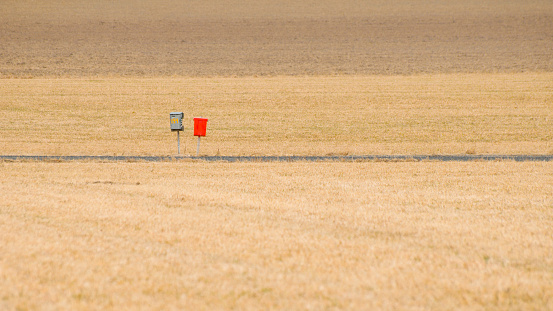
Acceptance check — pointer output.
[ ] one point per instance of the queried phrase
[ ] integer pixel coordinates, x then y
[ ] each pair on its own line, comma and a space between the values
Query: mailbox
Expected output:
176, 121
200, 126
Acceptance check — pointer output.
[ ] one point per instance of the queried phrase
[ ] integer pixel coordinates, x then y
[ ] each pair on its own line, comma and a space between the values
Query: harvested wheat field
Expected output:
418, 114
276, 236
276, 78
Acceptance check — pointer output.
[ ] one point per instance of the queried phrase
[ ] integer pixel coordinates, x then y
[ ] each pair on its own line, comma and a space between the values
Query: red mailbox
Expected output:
200, 126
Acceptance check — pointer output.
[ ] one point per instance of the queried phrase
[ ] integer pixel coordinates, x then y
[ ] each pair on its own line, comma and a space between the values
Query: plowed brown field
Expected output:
76, 38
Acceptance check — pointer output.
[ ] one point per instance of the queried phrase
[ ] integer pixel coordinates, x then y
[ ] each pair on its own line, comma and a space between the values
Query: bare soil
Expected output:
132, 38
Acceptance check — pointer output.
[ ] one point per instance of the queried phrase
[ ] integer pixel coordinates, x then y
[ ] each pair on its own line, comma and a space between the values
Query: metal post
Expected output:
198, 149
178, 142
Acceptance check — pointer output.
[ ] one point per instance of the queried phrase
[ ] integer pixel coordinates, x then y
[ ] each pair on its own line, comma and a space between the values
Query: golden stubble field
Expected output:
391, 236
328, 235
420, 114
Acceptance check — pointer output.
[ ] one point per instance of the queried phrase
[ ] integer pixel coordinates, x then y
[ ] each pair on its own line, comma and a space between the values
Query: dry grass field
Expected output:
420, 114
276, 78
257, 236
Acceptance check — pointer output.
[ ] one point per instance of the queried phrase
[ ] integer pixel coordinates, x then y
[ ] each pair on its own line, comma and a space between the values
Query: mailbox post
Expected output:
176, 125
200, 127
